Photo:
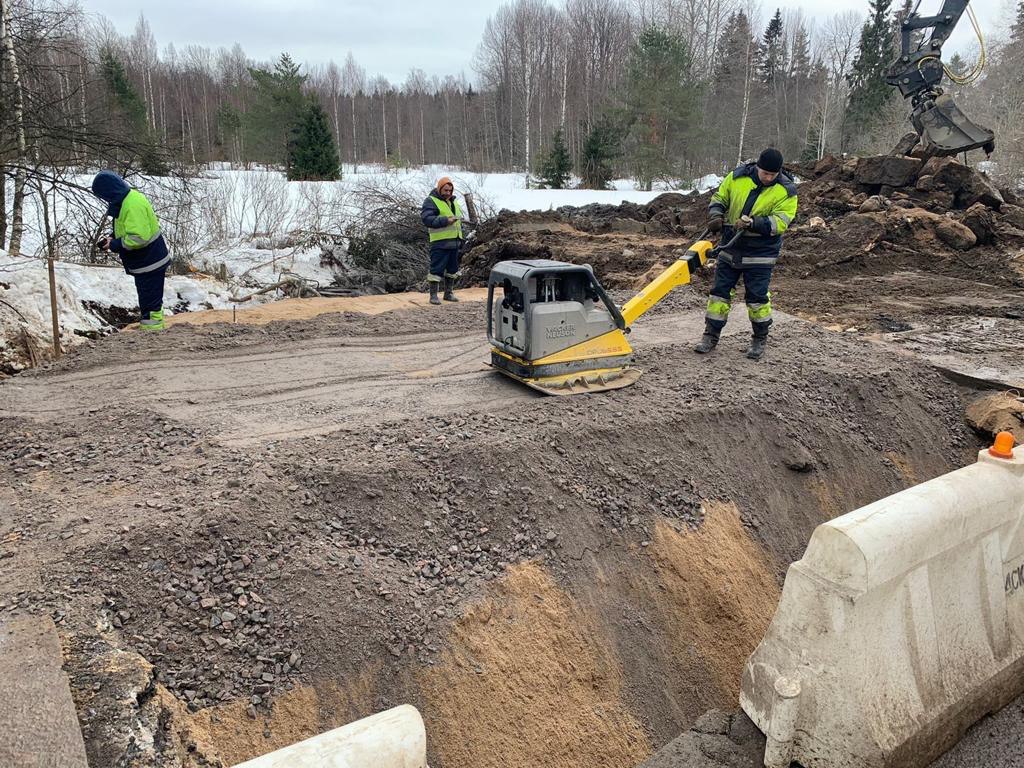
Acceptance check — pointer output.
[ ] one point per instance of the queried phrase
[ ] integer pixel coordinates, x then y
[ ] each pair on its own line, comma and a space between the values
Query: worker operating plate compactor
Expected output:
555, 329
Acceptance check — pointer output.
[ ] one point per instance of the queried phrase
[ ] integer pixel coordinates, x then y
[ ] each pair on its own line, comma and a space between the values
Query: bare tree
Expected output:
14, 89
353, 78
837, 46
416, 90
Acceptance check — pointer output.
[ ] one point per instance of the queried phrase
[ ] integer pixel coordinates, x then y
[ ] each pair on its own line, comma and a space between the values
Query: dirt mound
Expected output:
877, 215
871, 215
992, 414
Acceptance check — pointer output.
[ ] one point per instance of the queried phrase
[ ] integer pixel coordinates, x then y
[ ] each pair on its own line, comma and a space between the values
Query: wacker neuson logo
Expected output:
1015, 579
559, 331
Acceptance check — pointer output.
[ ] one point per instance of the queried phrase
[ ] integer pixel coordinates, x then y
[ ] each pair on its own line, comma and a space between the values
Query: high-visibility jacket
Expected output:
137, 238
772, 207
435, 214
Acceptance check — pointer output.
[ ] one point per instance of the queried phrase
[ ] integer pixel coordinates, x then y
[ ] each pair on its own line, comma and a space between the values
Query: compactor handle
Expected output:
615, 312
721, 245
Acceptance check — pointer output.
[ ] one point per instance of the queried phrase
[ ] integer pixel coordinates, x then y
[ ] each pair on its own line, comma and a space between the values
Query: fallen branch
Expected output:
15, 310
299, 283
260, 292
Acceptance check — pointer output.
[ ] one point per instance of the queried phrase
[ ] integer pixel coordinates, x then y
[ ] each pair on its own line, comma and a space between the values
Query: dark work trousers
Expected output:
756, 281
444, 259
150, 286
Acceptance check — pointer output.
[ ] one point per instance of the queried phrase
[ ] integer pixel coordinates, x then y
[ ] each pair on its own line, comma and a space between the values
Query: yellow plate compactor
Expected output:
555, 329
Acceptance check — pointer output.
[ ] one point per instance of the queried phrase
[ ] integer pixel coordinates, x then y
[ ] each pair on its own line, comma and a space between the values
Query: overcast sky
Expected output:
390, 37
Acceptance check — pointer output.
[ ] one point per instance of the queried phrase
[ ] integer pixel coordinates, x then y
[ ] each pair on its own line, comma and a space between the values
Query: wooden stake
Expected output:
53, 306
51, 272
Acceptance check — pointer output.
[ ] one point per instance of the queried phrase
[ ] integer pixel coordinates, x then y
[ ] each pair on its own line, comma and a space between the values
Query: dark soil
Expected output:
241, 573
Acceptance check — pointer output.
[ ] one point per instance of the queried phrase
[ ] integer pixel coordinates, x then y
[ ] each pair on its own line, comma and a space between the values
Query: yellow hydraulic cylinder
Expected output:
677, 274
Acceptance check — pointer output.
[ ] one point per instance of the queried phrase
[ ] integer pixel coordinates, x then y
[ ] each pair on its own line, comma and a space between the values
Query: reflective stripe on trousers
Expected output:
718, 307
151, 267
759, 313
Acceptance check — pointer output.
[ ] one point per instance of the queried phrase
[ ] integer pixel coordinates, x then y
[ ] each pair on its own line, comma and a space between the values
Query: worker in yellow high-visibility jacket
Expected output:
442, 216
759, 201
139, 243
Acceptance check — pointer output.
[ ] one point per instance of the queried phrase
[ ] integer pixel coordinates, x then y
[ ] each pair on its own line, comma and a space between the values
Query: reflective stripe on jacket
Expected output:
772, 207
136, 226
137, 238
435, 213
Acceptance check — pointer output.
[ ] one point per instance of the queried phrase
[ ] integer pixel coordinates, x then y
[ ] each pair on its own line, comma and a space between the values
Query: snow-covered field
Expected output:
236, 224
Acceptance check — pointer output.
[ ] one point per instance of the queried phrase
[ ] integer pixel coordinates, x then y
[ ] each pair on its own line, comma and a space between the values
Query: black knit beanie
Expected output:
770, 160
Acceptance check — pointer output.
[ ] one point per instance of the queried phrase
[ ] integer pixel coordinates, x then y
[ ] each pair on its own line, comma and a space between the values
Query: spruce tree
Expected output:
729, 84
800, 62
313, 153
556, 166
601, 147
228, 122
773, 51
868, 90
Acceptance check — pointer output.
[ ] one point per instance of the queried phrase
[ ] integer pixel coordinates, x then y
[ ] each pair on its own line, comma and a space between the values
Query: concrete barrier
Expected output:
901, 626
38, 721
392, 739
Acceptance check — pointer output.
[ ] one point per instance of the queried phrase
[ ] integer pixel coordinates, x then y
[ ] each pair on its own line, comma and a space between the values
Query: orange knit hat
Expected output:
442, 181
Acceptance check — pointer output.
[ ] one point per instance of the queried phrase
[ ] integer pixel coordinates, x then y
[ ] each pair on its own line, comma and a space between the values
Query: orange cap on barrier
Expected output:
1003, 446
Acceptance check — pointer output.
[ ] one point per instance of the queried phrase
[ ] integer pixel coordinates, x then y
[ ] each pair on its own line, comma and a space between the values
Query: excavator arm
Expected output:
941, 126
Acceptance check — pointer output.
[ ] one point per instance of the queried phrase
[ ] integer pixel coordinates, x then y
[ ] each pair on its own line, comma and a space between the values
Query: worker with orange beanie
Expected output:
442, 216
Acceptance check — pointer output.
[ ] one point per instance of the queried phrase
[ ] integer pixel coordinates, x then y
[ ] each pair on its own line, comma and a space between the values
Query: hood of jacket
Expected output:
112, 189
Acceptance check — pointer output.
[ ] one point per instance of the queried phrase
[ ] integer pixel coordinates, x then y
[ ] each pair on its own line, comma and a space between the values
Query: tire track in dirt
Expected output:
315, 388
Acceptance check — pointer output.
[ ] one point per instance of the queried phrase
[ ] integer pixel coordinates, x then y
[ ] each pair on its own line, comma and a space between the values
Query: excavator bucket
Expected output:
945, 130
580, 383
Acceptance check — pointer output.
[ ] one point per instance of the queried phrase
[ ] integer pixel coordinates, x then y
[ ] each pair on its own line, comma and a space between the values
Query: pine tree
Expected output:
602, 145
773, 51
556, 165
125, 96
660, 103
279, 104
868, 90
313, 155
133, 111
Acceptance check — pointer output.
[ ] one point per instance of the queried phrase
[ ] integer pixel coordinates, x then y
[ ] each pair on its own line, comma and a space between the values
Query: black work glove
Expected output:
715, 224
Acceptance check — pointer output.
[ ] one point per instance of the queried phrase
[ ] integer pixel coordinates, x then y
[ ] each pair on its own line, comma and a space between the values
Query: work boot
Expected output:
757, 345
155, 321
707, 342
433, 293
449, 289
